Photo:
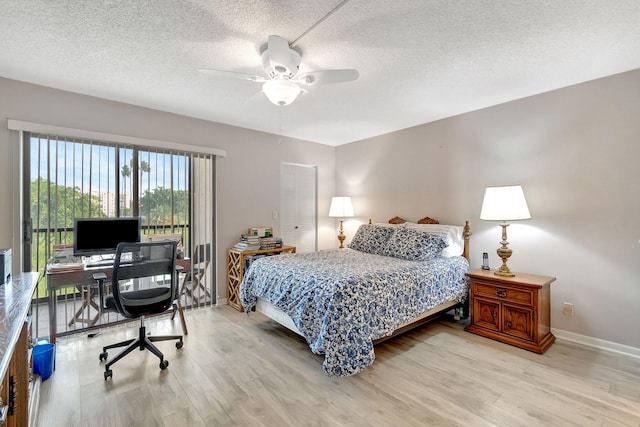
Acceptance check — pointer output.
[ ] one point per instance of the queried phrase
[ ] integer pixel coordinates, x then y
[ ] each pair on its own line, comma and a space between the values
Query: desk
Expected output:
84, 277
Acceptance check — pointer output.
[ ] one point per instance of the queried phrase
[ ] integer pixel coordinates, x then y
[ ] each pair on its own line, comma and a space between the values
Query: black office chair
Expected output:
144, 281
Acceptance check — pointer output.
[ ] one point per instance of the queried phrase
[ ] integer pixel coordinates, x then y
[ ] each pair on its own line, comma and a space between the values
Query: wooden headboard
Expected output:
466, 234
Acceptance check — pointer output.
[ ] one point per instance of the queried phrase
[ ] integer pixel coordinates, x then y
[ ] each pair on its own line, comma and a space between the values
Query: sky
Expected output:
90, 167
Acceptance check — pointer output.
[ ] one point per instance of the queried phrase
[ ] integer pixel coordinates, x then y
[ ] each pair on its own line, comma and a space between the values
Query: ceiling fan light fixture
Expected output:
280, 91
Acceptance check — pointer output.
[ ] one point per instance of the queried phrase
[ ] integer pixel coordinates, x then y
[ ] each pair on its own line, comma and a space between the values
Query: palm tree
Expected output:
144, 167
125, 172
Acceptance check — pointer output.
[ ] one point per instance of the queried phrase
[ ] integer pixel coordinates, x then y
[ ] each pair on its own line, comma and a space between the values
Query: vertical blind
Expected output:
172, 191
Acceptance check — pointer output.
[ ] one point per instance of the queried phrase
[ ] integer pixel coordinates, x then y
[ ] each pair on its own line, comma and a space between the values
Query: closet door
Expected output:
298, 200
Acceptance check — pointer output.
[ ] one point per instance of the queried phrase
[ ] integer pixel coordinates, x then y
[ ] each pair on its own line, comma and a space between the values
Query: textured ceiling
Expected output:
419, 60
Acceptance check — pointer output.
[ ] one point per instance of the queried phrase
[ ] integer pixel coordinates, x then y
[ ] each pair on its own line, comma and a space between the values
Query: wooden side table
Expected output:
514, 310
235, 270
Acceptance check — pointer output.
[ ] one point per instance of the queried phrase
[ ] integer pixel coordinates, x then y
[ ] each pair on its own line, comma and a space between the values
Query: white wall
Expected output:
575, 151
248, 188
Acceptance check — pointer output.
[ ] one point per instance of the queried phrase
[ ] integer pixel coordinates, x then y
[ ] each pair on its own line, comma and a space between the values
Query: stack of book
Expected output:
62, 267
64, 260
63, 253
248, 242
267, 243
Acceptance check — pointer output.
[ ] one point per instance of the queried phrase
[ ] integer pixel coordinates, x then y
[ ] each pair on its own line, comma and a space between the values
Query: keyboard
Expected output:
100, 263
110, 262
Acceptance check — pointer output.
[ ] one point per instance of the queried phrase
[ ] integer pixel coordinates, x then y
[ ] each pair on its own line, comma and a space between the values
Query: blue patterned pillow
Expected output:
414, 245
371, 238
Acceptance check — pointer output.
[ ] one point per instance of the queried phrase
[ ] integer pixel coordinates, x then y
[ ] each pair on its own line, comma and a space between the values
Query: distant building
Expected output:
108, 202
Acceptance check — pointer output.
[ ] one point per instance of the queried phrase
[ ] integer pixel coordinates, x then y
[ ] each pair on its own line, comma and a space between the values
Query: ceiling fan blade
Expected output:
232, 75
327, 77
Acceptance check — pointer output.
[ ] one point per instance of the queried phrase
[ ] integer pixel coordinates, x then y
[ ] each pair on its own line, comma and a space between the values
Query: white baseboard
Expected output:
597, 343
221, 301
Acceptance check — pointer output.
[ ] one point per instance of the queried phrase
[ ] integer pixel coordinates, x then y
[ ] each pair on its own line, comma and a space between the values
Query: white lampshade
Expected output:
341, 207
504, 204
281, 91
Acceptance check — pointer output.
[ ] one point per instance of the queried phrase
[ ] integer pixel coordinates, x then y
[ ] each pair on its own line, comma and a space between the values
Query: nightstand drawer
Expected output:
492, 290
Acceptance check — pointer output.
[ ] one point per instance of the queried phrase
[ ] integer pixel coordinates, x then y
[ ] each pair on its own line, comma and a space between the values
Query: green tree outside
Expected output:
53, 210
155, 207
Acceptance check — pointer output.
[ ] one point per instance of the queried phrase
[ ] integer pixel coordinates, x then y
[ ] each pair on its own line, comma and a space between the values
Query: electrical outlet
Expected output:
567, 309
274, 214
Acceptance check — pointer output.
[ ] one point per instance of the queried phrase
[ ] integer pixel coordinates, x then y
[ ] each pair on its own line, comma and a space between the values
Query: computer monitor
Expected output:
96, 236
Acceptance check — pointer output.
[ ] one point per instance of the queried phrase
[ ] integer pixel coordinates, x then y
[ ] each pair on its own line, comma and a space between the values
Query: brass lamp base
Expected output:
341, 236
504, 253
504, 273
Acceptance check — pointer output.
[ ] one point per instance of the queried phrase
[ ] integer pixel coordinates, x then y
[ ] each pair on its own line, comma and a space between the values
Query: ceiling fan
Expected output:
281, 64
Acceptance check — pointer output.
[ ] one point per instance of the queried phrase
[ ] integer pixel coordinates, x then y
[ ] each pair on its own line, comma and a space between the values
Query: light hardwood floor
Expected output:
237, 370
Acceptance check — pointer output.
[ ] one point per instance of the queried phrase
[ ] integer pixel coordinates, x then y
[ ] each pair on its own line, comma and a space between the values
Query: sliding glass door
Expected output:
171, 191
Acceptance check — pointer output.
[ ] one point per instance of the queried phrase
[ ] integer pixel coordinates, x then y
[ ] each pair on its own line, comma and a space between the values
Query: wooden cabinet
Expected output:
236, 263
19, 387
514, 310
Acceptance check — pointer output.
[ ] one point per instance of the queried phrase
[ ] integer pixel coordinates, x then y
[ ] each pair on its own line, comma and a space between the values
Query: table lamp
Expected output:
504, 204
341, 207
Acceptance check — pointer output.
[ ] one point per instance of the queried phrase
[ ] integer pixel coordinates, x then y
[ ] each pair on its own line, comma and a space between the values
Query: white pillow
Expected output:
452, 235
386, 224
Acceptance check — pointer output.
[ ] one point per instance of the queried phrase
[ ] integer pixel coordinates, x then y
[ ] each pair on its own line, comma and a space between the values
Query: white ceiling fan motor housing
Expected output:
284, 70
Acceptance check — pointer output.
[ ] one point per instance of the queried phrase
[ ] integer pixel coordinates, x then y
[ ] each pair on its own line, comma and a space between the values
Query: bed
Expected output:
391, 278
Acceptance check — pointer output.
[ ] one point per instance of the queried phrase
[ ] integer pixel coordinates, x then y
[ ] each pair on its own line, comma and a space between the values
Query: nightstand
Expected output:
514, 310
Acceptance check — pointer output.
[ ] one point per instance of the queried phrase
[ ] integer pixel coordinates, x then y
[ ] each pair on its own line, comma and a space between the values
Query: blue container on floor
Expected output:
44, 359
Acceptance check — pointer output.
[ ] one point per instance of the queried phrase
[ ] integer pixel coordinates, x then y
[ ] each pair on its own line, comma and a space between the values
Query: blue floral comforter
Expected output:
343, 299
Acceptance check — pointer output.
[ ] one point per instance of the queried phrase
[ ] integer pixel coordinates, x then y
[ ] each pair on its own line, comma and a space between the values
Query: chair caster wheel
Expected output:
103, 356
108, 374
179, 345
164, 364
